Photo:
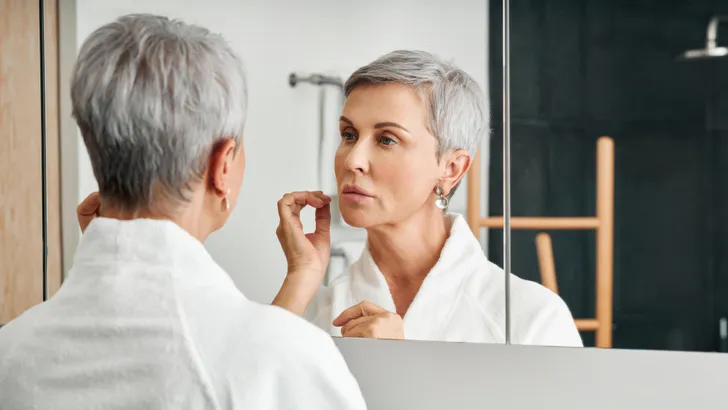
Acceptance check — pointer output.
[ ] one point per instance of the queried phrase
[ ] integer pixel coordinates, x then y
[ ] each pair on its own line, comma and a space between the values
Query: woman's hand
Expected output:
307, 255
88, 210
371, 321
305, 252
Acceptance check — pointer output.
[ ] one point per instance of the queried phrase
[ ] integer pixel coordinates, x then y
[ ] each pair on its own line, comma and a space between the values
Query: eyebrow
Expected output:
377, 125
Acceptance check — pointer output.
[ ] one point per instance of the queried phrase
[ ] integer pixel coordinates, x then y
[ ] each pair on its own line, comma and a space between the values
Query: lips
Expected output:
355, 196
355, 190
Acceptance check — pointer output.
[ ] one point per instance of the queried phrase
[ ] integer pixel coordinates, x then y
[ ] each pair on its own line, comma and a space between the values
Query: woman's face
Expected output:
386, 165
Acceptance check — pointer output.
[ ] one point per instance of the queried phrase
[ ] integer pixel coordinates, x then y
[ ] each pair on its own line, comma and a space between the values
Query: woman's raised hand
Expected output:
307, 254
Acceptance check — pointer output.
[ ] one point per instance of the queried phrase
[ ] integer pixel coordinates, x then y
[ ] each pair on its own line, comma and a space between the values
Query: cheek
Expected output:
406, 177
339, 163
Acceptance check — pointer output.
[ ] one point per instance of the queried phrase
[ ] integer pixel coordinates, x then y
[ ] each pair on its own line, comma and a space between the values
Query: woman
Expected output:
410, 126
146, 318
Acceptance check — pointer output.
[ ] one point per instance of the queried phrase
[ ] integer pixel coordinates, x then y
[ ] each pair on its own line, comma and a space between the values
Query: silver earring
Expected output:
226, 202
441, 202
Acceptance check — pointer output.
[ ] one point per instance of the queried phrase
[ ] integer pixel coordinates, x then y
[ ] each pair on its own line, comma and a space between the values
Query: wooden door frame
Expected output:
21, 274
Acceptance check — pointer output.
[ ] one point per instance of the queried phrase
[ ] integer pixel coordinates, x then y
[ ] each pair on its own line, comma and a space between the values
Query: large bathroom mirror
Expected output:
619, 167
437, 285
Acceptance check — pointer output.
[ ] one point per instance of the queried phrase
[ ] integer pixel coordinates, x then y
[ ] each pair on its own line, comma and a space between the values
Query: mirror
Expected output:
618, 144
294, 134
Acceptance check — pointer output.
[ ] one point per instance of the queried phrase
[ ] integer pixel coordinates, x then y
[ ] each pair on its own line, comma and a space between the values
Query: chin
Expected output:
356, 216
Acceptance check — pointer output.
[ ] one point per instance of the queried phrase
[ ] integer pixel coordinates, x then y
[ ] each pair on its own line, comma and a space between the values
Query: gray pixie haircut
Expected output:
152, 97
457, 112
457, 115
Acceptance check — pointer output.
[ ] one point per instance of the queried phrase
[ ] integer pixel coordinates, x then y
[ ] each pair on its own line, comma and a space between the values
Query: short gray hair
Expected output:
152, 97
458, 114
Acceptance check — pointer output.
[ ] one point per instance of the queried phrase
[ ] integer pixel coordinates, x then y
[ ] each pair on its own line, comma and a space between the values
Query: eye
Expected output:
386, 140
348, 136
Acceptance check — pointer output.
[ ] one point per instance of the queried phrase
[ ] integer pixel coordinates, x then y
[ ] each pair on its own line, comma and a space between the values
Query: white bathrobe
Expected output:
462, 299
147, 320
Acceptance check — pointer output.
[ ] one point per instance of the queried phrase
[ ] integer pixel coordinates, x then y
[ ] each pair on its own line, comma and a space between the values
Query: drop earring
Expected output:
441, 202
226, 202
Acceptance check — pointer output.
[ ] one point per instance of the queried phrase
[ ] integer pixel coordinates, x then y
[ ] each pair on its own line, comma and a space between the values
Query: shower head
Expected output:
711, 49
703, 53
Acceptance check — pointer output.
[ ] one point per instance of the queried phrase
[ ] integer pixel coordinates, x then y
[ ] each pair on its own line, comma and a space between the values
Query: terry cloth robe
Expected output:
147, 320
462, 299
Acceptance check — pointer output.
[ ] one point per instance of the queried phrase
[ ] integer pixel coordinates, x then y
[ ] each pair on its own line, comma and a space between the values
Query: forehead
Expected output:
370, 104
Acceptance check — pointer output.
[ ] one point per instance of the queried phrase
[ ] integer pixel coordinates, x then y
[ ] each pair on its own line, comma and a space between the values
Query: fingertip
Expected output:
323, 196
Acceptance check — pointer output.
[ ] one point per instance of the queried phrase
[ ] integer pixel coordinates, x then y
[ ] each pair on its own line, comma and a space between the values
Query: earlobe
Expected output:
221, 164
226, 201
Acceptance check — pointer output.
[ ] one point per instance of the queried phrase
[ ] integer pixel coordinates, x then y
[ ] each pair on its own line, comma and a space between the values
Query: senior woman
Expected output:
410, 126
146, 319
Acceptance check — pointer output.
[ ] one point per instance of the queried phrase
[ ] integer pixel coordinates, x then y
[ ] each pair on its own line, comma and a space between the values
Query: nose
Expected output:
358, 158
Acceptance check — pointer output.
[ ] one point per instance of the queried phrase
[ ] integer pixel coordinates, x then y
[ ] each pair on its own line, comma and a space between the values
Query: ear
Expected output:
456, 164
221, 163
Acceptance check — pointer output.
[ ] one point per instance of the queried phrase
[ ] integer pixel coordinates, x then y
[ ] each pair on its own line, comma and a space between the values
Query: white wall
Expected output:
275, 38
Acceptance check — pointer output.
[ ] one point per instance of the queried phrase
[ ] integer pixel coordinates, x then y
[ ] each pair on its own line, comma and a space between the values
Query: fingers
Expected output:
350, 326
90, 205
323, 220
290, 206
385, 325
359, 310
88, 210
304, 251
364, 330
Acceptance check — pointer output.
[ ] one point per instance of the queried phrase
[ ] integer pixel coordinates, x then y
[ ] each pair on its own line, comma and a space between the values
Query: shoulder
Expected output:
273, 323
20, 338
21, 328
300, 344
540, 316
254, 331
527, 297
10, 334
286, 354
533, 297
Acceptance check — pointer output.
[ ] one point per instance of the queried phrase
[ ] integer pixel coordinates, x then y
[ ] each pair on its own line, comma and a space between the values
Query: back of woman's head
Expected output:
152, 98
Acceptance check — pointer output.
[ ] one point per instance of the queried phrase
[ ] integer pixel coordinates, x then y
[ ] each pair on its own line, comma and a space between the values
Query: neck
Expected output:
187, 218
405, 252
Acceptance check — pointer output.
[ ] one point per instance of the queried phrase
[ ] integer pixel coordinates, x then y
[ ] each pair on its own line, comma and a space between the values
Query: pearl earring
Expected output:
441, 202
226, 202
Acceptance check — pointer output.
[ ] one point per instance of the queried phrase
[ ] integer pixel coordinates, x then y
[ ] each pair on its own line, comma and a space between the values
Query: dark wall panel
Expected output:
583, 69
